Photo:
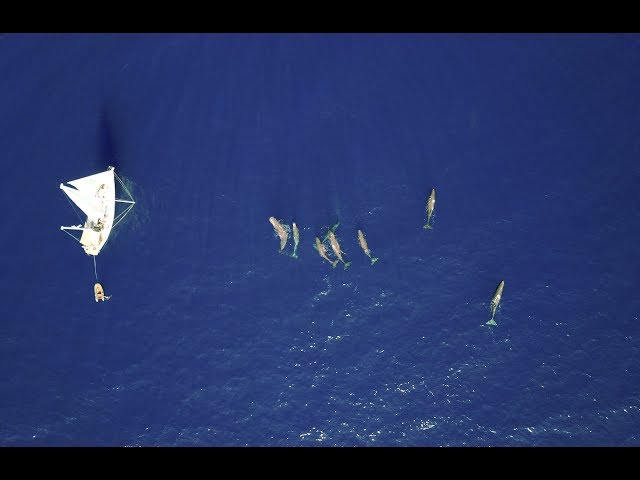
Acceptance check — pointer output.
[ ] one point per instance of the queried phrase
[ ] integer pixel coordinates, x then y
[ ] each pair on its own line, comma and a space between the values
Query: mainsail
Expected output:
95, 195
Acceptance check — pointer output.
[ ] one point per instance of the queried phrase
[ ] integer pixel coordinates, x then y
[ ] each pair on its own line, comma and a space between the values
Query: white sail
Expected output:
91, 183
95, 195
86, 202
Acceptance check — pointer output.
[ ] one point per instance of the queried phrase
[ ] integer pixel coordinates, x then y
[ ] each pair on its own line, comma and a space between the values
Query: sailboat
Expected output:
95, 195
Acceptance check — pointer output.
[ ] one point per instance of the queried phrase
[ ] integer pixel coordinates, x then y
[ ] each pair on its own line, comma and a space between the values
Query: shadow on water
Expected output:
107, 151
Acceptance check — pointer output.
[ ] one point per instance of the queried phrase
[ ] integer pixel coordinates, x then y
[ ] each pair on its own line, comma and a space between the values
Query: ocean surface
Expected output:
214, 338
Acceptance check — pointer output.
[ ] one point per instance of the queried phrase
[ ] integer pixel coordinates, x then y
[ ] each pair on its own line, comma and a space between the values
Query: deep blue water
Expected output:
213, 338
